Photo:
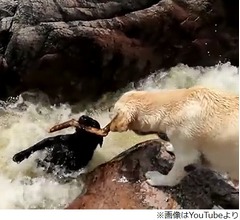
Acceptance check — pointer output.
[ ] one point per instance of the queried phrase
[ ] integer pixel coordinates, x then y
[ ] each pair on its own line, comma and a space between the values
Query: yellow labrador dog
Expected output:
199, 122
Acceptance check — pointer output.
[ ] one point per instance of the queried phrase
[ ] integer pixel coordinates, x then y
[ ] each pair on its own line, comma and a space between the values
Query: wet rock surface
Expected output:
74, 50
120, 183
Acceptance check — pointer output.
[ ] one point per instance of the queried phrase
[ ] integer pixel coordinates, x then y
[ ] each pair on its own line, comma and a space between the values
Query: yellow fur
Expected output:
198, 121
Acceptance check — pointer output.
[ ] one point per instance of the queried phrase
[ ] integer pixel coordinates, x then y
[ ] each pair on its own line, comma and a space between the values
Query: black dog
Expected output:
71, 152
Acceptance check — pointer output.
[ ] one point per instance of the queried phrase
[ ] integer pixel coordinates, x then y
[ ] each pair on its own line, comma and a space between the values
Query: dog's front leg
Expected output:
183, 157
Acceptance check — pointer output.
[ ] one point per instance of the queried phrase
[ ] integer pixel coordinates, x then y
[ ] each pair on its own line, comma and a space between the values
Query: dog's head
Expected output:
90, 122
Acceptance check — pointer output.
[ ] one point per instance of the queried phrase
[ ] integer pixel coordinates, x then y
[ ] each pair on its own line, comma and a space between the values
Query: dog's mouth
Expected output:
74, 123
98, 131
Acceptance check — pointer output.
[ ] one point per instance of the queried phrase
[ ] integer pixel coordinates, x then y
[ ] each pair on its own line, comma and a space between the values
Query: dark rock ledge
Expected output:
120, 183
74, 50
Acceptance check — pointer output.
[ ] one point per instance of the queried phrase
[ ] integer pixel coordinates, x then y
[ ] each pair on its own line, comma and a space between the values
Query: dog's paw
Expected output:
19, 157
154, 178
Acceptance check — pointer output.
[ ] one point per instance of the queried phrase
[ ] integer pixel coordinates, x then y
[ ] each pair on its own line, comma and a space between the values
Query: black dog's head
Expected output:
88, 121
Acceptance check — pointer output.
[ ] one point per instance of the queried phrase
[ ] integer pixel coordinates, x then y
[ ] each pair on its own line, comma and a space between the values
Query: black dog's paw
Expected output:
19, 157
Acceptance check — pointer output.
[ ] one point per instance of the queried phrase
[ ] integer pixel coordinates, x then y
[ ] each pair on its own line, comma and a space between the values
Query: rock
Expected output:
120, 184
74, 50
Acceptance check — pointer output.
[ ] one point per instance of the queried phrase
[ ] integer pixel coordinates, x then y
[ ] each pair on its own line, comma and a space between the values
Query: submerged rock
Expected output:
120, 184
73, 49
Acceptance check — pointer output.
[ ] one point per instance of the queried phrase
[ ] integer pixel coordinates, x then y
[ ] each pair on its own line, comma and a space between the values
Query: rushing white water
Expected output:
27, 120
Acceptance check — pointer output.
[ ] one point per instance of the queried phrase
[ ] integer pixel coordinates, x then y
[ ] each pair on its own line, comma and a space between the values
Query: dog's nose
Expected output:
110, 109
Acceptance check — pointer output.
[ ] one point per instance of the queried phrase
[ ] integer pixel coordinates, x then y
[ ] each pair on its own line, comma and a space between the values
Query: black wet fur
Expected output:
71, 151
